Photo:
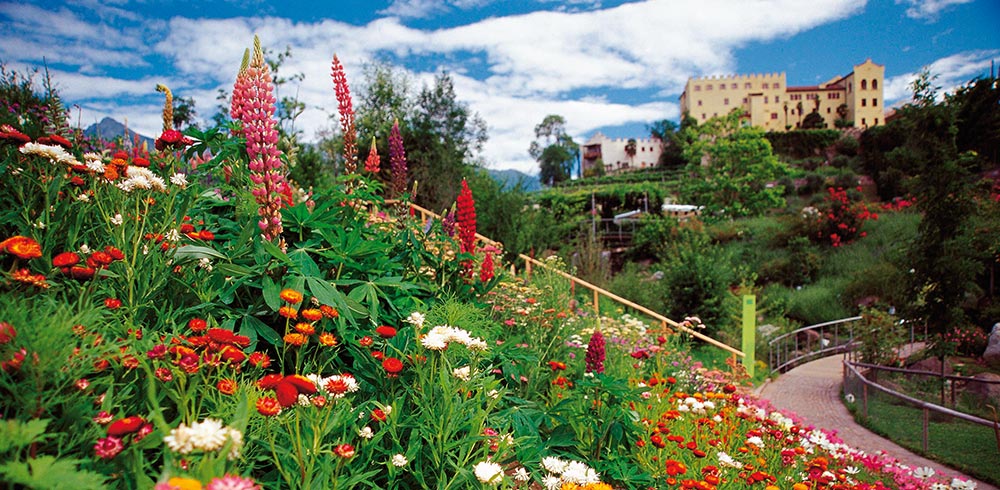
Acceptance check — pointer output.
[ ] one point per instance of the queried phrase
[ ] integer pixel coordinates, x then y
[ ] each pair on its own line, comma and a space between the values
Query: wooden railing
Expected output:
597, 291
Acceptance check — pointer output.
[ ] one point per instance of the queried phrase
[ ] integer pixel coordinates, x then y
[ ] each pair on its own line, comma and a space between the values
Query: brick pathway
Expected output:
812, 391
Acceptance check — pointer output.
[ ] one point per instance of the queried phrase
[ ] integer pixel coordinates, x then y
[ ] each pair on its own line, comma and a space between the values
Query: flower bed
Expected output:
183, 319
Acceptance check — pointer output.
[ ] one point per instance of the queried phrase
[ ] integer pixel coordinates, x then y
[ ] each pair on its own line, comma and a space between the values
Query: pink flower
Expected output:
346, 110
103, 418
232, 482
108, 447
397, 161
595, 353
372, 163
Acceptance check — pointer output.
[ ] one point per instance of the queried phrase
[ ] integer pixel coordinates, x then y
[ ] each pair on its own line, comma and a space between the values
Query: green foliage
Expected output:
880, 334
554, 149
802, 143
733, 170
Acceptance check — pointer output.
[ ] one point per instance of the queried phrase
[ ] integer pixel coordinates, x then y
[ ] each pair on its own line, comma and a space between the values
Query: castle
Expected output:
854, 99
614, 153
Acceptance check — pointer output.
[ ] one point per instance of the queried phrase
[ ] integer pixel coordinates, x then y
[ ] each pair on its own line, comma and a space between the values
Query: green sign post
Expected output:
749, 332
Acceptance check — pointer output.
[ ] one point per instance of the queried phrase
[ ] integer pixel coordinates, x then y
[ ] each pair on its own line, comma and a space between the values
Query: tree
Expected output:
630, 150
441, 141
184, 113
813, 120
977, 118
732, 167
385, 97
671, 144
554, 149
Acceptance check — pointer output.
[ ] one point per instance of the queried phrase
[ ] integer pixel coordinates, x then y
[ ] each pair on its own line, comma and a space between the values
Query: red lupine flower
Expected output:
372, 162
386, 332
466, 219
268, 406
594, 359
486, 270
346, 111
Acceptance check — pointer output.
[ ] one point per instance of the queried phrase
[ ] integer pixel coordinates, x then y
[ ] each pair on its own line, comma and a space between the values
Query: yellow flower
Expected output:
179, 483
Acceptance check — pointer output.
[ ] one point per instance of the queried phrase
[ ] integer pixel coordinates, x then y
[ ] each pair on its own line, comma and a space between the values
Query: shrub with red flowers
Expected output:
839, 220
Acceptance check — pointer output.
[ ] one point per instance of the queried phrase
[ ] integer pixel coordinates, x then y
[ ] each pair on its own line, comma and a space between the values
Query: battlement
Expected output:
753, 77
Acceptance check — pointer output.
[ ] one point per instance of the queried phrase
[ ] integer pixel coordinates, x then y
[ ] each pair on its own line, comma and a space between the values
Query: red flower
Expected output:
366, 341
557, 366
21, 247
197, 325
386, 332
344, 450
206, 235
108, 447
378, 415
486, 270
268, 406
7, 333
260, 360
66, 259
114, 253
112, 303
290, 296
226, 386
372, 163
125, 426
140, 162
392, 366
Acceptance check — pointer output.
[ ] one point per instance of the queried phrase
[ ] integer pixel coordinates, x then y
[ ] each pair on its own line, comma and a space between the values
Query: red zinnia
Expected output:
386, 332
226, 386
66, 259
392, 366
268, 406
125, 426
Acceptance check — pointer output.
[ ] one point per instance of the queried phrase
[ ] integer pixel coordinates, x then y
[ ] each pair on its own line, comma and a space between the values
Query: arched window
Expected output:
864, 84
874, 84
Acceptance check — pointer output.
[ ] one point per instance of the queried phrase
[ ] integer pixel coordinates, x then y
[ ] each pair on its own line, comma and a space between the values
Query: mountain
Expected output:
510, 178
109, 129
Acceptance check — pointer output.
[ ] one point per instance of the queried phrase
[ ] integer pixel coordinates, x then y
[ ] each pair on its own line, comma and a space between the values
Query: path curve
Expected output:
812, 391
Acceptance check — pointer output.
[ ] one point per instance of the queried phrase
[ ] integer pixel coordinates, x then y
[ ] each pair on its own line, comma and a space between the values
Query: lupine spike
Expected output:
373, 161
397, 161
346, 110
168, 107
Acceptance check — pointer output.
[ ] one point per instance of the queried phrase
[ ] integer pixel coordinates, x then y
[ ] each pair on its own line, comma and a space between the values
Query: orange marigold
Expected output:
327, 339
21, 247
305, 328
291, 296
296, 339
288, 312
329, 311
311, 314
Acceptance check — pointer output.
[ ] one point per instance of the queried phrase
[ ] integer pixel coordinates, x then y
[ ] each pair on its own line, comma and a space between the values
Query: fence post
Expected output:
927, 419
597, 309
749, 333
864, 396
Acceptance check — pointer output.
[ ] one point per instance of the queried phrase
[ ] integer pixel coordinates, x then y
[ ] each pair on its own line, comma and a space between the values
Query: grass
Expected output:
969, 448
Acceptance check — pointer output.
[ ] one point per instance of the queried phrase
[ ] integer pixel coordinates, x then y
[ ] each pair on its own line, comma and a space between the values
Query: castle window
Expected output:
774, 115
827, 110
697, 88
876, 121
864, 84
864, 102
747, 85
733, 86
699, 103
775, 99
863, 122
811, 96
708, 87
767, 86
874, 86
875, 103
776, 86
745, 100
722, 86
765, 99
725, 101
703, 116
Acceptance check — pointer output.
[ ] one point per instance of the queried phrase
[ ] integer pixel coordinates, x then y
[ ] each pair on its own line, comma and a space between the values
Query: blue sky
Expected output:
613, 66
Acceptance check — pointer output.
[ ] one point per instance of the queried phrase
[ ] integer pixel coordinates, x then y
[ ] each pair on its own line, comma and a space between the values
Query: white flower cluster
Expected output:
462, 373
399, 460
562, 471
416, 319
488, 472
55, 154
207, 436
440, 336
141, 178
726, 460
94, 163
694, 405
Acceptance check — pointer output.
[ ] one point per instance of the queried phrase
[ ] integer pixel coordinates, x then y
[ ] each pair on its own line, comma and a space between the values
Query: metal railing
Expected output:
809, 343
598, 293
858, 388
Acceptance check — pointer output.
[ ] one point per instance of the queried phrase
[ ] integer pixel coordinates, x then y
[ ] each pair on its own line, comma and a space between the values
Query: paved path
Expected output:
812, 391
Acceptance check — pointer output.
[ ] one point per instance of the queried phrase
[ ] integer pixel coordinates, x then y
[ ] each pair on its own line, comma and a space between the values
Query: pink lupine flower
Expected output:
346, 110
255, 92
397, 161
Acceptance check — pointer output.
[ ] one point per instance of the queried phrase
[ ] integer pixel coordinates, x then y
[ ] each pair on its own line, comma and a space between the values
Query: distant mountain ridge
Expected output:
510, 178
110, 129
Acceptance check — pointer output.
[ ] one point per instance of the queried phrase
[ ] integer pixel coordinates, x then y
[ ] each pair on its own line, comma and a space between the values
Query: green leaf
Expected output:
16, 434
304, 263
47, 472
277, 253
187, 253
271, 293
252, 327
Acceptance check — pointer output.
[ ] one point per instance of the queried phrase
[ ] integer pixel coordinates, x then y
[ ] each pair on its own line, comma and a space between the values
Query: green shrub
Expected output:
819, 302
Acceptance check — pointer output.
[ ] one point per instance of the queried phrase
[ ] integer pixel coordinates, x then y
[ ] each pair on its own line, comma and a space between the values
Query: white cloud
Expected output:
951, 72
928, 10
